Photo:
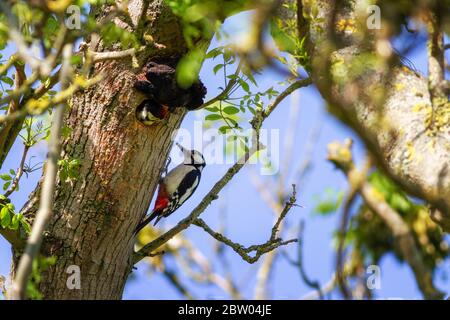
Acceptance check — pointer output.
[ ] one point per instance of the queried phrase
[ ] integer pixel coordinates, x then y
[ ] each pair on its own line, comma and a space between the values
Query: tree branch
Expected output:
19, 172
45, 209
436, 60
393, 220
382, 121
261, 249
300, 265
13, 237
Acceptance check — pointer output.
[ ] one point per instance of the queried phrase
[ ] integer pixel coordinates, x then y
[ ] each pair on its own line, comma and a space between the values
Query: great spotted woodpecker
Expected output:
177, 186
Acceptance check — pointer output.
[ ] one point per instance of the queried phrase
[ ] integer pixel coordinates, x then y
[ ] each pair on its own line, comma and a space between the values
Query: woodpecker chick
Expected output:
177, 186
150, 112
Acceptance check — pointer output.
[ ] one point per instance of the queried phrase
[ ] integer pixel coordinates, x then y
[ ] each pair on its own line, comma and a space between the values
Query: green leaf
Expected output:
8, 81
330, 204
213, 117
6, 185
5, 217
217, 68
5, 177
214, 53
249, 74
212, 109
189, 67
75, 60
14, 222
231, 110
244, 85
282, 39
224, 129
235, 124
400, 202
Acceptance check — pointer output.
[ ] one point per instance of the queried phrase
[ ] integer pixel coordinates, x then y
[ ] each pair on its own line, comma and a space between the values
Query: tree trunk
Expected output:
94, 217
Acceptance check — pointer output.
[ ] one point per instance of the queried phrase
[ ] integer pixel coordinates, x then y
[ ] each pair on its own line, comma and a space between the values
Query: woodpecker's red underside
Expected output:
162, 200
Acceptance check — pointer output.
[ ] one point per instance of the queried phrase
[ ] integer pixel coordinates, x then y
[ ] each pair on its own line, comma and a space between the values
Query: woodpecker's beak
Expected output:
186, 152
180, 146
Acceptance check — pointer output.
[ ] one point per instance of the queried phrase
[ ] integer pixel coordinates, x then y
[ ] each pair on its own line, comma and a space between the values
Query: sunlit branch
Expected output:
46, 203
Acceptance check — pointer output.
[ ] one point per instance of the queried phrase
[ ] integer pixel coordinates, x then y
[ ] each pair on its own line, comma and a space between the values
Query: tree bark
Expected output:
94, 217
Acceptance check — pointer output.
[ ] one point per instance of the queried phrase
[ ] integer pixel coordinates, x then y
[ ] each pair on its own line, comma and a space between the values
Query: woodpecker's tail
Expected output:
147, 220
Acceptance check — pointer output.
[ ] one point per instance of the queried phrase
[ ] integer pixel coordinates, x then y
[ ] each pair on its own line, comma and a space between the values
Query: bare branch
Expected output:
341, 156
244, 252
45, 209
16, 36
19, 172
175, 281
261, 249
294, 86
109, 55
300, 265
436, 60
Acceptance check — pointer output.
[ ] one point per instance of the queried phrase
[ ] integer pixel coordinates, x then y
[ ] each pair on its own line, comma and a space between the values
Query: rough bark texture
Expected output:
94, 217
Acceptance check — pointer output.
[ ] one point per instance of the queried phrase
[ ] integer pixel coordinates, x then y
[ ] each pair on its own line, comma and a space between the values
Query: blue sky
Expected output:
248, 219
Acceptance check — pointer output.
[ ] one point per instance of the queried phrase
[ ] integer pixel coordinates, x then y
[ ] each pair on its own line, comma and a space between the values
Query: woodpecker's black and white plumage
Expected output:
177, 186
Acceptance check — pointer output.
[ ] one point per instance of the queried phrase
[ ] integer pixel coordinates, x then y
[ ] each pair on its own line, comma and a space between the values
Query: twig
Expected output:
350, 198
206, 273
261, 249
244, 252
8, 64
224, 94
173, 279
109, 55
294, 86
45, 208
16, 36
16, 93
327, 288
300, 266
341, 156
19, 172
9, 131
